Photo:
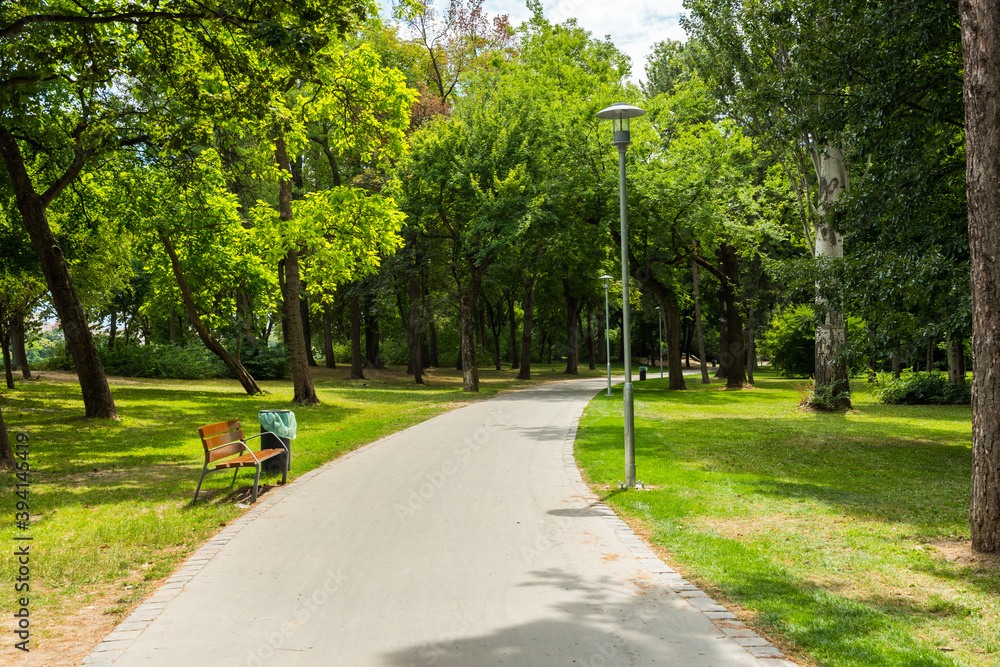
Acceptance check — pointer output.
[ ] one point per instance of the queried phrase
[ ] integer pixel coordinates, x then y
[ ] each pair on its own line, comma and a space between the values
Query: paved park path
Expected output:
467, 540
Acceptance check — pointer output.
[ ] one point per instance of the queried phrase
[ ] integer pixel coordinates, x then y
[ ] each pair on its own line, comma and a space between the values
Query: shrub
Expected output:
158, 360
919, 388
265, 363
58, 359
790, 342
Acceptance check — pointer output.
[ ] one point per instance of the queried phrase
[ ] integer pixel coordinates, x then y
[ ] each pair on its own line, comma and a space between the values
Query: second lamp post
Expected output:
620, 114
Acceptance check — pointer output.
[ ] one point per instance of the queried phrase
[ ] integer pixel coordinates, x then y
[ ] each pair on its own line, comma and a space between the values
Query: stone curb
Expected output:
130, 628
766, 654
126, 632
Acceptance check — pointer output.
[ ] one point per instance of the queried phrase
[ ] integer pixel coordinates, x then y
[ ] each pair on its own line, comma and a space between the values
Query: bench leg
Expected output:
204, 469
236, 471
288, 462
256, 482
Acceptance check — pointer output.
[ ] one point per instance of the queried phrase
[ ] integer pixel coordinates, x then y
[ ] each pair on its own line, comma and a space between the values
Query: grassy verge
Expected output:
110, 502
842, 536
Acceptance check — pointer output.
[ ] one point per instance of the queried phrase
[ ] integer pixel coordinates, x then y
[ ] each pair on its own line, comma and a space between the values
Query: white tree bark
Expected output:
834, 179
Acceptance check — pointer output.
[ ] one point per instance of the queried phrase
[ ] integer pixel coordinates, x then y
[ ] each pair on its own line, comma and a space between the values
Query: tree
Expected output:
465, 182
981, 46
765, 58
69, 106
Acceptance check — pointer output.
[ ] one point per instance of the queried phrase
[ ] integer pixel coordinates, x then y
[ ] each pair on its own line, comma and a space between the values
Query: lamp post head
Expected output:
619, 114
606, 278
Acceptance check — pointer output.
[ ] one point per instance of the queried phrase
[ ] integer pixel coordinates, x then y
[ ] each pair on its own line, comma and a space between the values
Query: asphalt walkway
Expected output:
467, 540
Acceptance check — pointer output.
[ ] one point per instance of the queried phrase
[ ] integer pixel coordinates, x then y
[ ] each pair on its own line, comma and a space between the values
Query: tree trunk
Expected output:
981, 46
357, 359
527, 305
697, 325
467, 309
330, 361
112, 329
304, 392
6, 453
373, 355
956, 361
831, 170
413, 329
306, 324
672, 333
493, 316
97, 399
512, 325
216, 348
573, 306
733, 354
688, 332
17, 343
751, 354
591, 358
7, 370
897, 361
432, 344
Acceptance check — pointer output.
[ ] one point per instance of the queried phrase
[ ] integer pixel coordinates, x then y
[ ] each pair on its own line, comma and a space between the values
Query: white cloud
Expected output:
634, 25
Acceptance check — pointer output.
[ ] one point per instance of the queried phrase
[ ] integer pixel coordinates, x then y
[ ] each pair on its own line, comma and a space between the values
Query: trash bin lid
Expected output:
279, 422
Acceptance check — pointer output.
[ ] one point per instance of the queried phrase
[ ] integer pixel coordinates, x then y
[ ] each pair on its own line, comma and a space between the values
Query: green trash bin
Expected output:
642, 373
277, 429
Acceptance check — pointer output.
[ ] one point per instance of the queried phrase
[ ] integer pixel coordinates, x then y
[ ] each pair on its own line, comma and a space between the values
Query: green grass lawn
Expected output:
844, 537
110, 502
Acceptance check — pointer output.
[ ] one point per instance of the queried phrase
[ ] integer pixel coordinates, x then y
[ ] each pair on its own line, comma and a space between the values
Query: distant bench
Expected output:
225, 439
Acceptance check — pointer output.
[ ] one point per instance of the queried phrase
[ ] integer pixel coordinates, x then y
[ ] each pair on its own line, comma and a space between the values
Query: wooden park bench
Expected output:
224, 440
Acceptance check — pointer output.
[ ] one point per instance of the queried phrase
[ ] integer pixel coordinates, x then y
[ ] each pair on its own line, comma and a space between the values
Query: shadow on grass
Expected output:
872, 476
833, 628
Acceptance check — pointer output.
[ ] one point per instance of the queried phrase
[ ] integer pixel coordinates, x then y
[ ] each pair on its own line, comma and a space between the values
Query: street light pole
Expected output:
620, 114
607, 328
659, 328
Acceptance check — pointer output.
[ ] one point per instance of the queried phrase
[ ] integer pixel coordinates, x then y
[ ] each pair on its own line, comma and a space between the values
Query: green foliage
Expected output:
790, 342
827, 528
825, 397
265, 363
42, 347
158, 360
921, 388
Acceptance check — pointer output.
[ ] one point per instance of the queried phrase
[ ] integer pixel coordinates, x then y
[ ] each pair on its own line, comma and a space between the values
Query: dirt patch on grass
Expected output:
70, 376
66, 639
960, 551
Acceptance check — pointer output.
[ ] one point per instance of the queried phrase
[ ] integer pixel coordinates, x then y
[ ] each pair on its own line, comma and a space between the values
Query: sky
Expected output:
633, 25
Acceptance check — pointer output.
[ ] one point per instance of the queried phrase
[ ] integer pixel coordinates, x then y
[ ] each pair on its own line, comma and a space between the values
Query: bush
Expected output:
790, 342
58, 359
919, 388
265, 363
158, 360
193, 362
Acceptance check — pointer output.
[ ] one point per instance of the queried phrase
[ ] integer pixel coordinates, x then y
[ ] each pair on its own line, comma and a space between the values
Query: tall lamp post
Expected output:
607, 340
659, 328
620, 114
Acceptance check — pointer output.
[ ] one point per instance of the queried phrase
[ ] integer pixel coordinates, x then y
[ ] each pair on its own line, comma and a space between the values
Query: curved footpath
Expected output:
467, 540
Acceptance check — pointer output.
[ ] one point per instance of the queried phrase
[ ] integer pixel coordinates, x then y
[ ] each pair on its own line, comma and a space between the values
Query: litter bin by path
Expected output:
642, 373
277, 429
